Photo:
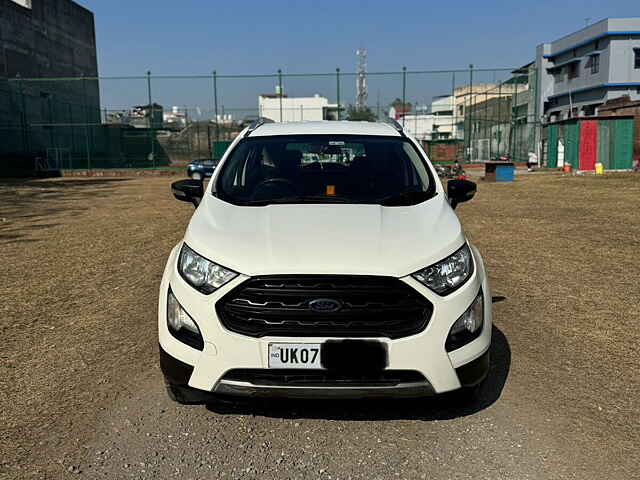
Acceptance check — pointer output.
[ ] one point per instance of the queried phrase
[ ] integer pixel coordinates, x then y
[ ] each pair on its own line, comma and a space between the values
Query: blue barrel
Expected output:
504, 173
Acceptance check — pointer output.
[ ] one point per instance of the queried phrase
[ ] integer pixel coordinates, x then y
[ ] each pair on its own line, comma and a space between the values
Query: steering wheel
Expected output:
269, 184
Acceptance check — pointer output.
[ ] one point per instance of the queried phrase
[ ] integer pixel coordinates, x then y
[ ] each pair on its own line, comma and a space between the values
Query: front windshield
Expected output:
325, 169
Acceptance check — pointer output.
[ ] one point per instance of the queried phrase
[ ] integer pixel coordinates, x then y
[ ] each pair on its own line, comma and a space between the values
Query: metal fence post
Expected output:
514, 117
280, 92
486, 121
404, 93
470, 111
23, 117
86, 122
188, 130
226, 131
454, 127
338, 90
52, 134
500, 122
151, 131
215, 103
73, 135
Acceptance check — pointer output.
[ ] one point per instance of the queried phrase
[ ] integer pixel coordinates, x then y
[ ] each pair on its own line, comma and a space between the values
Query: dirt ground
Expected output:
81, 392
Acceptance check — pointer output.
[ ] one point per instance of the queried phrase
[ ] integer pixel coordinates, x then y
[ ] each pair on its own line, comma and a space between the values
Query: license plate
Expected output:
294, 355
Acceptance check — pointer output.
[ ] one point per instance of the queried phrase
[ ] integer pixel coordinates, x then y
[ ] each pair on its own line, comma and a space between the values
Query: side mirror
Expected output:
460, 191
188, 191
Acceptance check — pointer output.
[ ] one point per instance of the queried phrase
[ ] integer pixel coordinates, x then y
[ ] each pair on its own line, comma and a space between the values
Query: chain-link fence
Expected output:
153, 121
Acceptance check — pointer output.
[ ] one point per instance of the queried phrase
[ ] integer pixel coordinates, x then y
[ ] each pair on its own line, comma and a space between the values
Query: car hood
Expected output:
324, 238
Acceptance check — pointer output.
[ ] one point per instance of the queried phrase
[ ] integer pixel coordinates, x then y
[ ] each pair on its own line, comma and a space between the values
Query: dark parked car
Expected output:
199, 169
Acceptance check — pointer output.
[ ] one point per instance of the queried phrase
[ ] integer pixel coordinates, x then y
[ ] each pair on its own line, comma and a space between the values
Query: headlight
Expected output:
468, 327
181, 325
448, 274
202, 274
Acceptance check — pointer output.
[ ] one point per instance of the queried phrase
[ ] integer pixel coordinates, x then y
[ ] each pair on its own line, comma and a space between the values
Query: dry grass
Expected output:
82, 259
565, 252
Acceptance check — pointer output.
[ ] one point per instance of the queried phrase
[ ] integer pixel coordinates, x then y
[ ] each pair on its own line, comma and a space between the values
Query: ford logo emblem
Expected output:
325, 305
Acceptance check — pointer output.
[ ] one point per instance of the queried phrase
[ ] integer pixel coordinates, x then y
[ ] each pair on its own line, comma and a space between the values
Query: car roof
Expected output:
326, 127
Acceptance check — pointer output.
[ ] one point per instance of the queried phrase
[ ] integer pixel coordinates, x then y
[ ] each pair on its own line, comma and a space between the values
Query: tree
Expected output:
360, 114
401, 107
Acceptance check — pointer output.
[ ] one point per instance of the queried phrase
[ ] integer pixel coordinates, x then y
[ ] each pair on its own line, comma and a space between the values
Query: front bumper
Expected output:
245, 389
423, 352
178, 373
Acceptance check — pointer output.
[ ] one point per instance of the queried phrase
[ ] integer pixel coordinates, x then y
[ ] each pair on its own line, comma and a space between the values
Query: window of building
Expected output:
594, 63
597, 45
574, 52
558, 75
636, 60
589, 110
573, 70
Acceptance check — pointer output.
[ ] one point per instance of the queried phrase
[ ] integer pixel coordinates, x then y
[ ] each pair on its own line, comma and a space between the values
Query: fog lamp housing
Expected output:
468, 327
181, 325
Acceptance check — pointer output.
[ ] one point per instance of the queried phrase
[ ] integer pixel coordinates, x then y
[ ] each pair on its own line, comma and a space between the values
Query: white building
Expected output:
281, 108
177, 117
579, 72
437, 125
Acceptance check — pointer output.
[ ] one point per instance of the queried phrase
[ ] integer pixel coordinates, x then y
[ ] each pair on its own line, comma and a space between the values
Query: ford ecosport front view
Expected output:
324, 259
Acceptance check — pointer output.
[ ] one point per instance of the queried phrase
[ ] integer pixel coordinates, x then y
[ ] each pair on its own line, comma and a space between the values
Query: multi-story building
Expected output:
438, 124
44, 39
581, 71
502, 121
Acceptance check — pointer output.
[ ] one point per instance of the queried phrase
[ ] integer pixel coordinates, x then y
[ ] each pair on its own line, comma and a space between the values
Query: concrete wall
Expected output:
443, 104
294, 109
53, 38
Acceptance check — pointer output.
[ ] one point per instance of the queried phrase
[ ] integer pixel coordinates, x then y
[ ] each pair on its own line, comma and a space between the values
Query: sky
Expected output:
244, 37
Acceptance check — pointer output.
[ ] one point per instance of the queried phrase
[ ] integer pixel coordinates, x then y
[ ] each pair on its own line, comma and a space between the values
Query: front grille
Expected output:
278, 305
322, 378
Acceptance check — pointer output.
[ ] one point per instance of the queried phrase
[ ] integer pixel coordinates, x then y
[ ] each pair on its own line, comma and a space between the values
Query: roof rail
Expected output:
394, 123
257, 123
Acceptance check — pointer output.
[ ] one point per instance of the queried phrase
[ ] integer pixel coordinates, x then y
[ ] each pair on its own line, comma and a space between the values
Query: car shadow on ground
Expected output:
441, 407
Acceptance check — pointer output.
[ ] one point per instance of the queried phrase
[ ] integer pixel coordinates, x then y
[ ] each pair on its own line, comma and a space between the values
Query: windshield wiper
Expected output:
327, 199
299, 199
403, 199
271, 201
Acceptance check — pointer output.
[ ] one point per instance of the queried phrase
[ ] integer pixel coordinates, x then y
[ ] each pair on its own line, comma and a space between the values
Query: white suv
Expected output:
324, 259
